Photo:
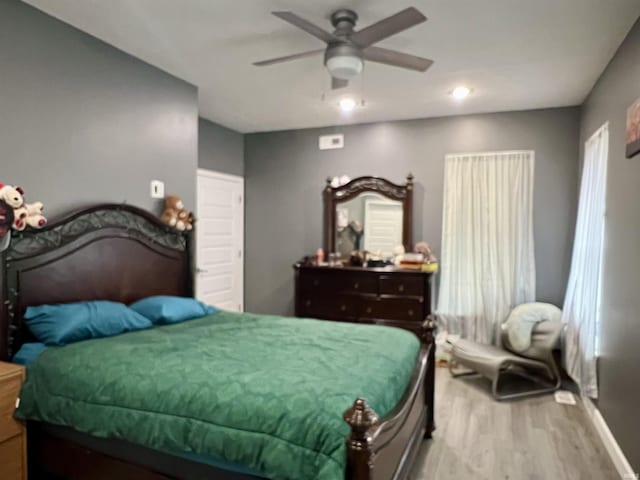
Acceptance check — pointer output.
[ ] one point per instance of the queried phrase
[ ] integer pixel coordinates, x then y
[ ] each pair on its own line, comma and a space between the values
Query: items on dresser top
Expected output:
13, 434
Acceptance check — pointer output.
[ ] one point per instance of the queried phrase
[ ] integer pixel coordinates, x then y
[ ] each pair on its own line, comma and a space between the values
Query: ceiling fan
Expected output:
347, 49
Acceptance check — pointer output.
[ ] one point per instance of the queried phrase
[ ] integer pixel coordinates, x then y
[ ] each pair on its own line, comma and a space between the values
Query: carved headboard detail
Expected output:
106, 252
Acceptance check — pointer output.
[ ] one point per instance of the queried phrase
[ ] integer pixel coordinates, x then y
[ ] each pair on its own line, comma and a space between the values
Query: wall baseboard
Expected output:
611, 445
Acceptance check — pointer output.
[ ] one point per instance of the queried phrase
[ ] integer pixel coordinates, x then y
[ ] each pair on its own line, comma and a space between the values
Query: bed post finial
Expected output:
360, 418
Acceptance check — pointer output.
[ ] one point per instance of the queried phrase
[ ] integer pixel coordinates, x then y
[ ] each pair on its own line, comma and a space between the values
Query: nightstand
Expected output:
13, 434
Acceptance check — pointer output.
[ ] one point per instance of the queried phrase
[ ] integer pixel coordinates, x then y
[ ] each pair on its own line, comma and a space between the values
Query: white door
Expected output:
220, 240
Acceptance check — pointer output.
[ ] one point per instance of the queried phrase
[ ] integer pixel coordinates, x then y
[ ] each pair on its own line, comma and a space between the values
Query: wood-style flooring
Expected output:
533, 438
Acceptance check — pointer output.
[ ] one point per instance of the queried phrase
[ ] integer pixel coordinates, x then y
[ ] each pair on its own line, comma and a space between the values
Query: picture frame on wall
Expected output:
633, 129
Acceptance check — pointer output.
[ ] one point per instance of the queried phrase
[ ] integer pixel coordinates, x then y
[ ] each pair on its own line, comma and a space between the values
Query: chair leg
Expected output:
463, 373
538, 391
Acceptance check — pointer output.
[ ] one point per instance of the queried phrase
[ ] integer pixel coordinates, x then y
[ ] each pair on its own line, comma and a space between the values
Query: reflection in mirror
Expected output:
369, 222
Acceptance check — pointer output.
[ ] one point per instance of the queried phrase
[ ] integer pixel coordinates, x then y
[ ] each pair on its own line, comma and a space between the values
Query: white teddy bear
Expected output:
14, 197
24, 214
34, 217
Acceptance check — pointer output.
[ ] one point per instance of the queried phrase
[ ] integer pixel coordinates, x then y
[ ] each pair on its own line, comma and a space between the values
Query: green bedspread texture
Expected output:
265, 392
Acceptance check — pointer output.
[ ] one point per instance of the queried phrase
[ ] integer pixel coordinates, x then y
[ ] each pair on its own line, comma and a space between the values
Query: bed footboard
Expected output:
385, 448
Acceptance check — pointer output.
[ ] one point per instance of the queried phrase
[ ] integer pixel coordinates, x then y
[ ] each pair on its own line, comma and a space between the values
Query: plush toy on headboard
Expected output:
175, 215
34, 217
23, 214
14, 196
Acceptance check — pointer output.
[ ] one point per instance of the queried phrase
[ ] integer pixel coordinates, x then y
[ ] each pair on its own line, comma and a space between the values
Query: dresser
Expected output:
384, 296
13, 434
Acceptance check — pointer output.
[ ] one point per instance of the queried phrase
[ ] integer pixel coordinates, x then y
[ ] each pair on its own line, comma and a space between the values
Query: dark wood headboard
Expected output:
107, 252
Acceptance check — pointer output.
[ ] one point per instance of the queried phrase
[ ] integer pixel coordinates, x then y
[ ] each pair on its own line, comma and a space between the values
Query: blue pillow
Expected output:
72, 322
28, 353
163, 309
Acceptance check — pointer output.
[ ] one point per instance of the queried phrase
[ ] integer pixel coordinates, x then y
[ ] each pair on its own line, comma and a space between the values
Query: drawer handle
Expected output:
368, 309
307, 303
343, 308
356, 285
316, 283
410, 312
401, 287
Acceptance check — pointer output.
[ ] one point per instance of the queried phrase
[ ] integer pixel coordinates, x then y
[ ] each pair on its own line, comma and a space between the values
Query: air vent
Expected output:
331, 142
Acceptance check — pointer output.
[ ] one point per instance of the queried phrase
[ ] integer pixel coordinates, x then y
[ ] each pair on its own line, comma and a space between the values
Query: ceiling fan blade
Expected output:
307, 26
287, 58
396, 59
337, 83
407, 18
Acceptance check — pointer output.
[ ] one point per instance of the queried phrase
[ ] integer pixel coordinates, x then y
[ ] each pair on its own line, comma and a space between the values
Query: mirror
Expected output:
368, 213
369, 222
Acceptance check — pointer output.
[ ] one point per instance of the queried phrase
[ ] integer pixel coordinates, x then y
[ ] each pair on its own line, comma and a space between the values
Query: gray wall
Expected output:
285, 174
220, 149
82, 122
619, 365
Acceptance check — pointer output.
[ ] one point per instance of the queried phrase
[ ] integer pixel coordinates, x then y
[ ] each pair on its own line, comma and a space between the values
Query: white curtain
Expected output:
581, 310
488, 264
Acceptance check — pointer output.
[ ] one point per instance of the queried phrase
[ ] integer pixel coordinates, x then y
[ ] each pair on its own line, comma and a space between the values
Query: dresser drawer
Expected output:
335, 307
360, 284
9, 391
393, 309
338, 282
401, 285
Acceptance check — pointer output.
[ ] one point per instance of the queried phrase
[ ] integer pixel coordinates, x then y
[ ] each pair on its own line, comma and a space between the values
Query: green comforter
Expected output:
264, 392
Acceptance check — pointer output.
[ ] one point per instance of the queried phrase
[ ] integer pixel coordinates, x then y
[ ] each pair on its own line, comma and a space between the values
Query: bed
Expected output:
121, 253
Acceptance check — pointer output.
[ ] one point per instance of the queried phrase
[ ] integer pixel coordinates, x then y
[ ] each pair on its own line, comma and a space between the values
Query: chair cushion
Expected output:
523, 319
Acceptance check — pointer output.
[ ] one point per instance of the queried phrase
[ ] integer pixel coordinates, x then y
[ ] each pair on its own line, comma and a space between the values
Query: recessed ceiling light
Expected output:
347, 104
461, 92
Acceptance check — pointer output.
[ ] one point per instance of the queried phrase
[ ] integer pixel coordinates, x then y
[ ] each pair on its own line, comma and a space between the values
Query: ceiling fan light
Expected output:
344, 67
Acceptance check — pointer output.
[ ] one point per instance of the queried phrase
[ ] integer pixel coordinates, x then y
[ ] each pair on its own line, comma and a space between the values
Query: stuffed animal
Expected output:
19, 216
23, 214
14, 196
425, 249
175, 215
185, 220
34, 217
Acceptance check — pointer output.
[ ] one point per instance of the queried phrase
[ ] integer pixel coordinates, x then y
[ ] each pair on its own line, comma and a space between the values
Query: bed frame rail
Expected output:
386, 448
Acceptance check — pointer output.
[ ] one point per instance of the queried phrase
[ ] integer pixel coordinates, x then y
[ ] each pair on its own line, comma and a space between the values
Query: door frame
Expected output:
204, 172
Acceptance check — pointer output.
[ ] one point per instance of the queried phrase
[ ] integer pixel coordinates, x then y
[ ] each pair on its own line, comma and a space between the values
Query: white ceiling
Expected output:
515, 54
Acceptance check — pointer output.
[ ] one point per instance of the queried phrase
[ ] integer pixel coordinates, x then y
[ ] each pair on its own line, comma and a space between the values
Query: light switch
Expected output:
157, 189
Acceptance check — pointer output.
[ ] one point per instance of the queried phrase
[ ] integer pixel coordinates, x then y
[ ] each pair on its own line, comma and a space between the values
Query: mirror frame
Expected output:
335, 196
